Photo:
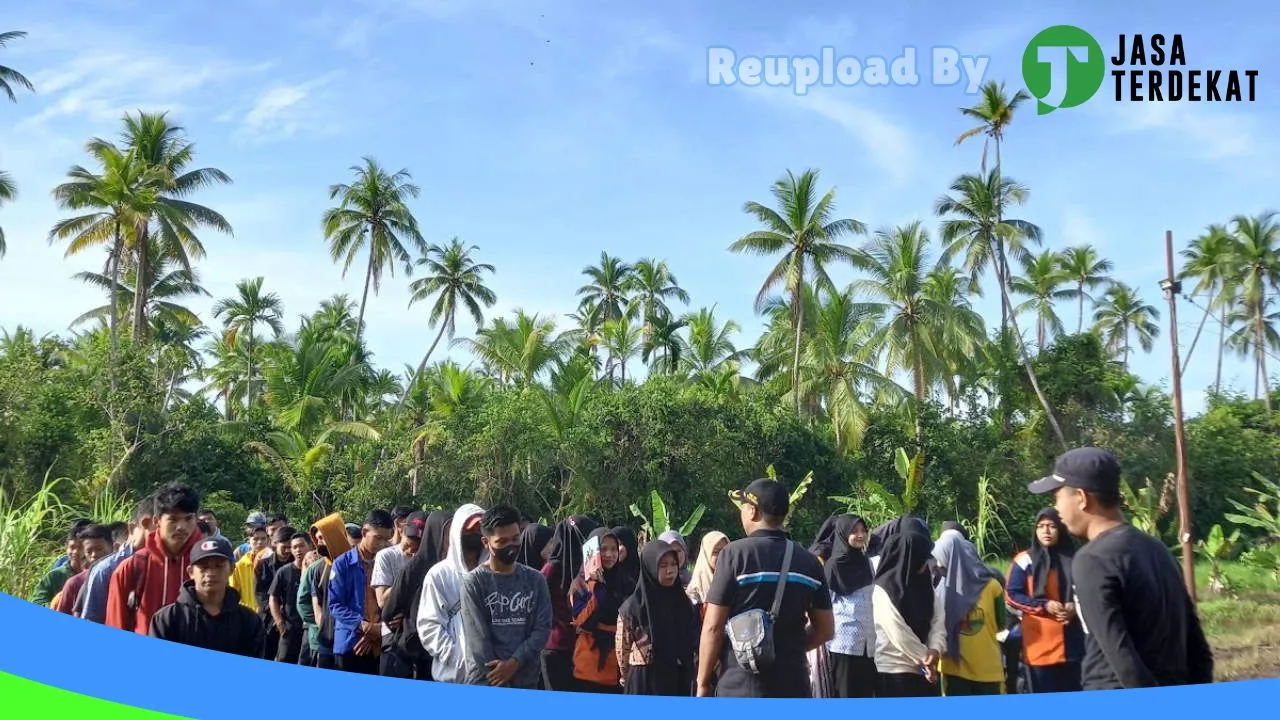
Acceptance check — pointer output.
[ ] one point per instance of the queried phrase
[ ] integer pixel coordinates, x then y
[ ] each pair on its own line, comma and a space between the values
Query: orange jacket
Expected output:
1045, 641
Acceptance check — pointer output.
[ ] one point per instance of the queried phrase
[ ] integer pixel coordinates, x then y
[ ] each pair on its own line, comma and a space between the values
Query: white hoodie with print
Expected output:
439, 619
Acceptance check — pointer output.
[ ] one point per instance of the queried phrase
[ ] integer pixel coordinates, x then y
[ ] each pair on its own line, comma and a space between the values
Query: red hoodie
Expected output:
156, 573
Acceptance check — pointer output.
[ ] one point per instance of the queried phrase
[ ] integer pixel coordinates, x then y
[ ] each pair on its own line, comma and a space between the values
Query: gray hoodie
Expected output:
439, 620
505, 616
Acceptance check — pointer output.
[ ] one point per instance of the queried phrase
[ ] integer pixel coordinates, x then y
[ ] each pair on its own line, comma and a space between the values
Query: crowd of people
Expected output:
484, 596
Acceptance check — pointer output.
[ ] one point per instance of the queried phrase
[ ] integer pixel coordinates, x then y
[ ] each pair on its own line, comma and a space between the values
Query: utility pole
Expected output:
1172, 288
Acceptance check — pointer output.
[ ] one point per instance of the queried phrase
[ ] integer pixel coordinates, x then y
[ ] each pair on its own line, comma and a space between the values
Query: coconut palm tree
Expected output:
1042, 283
1258, 255
162, 148
8, 191
912, 327
624, 341
709, 345
961, 339
8, 76
993, 114
605, 297
1211, 262
804, 230
165, 286
243, 314
1121, 316
662, 345
456, 281
1089, 271
977, 228
652, 286
373, 214
1244, 339
520, 350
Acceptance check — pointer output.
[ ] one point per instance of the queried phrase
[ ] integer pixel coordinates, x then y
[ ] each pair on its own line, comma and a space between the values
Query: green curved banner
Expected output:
35, 700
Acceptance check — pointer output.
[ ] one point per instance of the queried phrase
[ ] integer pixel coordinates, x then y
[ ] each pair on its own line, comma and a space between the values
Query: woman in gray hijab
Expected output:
973, 596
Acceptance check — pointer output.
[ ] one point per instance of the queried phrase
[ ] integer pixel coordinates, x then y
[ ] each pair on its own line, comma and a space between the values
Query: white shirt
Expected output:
386, 565
898, 650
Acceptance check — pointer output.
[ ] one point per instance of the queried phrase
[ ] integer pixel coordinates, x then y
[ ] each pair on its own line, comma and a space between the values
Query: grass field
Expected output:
1243, 624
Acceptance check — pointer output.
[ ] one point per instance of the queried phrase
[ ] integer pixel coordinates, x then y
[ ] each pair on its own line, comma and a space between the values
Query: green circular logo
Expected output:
1063, 67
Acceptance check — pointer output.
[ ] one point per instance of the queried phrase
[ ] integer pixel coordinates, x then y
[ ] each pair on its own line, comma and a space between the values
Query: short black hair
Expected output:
119, 531
95, 532
380, 519
301, 535
76, 527
284, 534
177, 498
277, 517
497, 517
1109, 498
210, 513
401, 512
258, 529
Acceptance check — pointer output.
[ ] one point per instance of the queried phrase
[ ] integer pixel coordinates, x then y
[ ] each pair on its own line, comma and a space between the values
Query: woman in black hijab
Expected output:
563, 565
909, 638
596, 601
406, 593
658, 629
1039, 586
631, 557
849, 576
533, 541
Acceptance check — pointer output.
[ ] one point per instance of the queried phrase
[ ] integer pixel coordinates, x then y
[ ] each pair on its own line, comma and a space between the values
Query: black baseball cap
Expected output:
1088, 468
212, 547
767, 495
415, 524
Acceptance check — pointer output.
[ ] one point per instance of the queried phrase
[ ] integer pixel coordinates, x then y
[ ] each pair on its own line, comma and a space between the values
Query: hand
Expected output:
501, 671
1068, 613
578, 585
598, 575
280, 628
363, 646
396, 623
1054, 608
930, 666
704, 688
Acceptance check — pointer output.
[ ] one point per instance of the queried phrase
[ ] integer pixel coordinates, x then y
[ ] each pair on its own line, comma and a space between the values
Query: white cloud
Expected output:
1218, 134
281, 111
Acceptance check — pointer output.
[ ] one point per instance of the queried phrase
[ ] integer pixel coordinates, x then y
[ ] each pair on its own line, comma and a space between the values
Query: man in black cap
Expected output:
386, 566
1141, 628
747, 578
208, 613
264, 573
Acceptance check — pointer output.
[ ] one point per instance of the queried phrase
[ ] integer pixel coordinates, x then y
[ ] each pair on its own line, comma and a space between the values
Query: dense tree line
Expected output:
639, 390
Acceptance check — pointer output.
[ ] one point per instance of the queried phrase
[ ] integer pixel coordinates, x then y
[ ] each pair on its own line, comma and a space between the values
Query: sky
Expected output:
546, 132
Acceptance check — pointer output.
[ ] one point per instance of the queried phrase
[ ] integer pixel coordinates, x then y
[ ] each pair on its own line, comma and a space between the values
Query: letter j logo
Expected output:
1063, 67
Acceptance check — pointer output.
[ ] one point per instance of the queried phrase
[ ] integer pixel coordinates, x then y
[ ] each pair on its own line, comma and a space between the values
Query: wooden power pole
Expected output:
1172, 288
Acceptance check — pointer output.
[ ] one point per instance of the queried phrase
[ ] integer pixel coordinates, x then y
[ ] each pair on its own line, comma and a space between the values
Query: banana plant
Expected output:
659, 521
1216, 548
793, 498
1260, 516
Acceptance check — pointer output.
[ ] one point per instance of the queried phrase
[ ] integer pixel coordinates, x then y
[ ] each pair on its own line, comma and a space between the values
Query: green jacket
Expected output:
52, 584
308, 613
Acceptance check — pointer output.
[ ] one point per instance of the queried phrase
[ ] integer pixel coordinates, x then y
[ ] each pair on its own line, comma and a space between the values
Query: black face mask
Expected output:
471, 543
507, 555
322, 551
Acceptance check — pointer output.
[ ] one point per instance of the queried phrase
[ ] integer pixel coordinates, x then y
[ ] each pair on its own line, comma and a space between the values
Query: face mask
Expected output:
322, 551
507, 555
472, 543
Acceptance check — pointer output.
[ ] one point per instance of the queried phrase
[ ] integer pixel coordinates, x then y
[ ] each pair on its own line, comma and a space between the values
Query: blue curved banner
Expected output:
86, 659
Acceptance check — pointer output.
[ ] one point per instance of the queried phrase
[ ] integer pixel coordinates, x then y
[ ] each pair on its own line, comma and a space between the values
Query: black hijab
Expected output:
662, 614
533, 540
1045, 560
566, 550
899, 573
406, 590
616, 591
631, 564
848, 570
824, 541
881, 535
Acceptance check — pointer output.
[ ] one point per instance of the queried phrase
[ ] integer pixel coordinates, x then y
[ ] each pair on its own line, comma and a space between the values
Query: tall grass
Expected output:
26, 548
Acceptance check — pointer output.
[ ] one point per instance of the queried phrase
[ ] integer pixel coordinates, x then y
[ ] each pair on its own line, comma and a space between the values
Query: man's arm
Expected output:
531, 649
118, 614
1102, 606
710, 646
306, 609
340, 591
276, 600
822, 627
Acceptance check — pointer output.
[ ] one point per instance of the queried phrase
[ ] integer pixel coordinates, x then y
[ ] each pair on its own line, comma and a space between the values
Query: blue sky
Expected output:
545, 132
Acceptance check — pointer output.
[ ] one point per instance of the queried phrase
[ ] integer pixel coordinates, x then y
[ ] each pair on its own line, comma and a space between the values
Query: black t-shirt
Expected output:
284, 588
746, 578
1141, 629
263, 575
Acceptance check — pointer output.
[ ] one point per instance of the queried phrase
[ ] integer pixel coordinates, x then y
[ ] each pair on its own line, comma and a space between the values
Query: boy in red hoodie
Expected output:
151, 578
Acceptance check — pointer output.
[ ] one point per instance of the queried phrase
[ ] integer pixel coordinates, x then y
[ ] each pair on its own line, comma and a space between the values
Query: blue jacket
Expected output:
346, 600
98, 583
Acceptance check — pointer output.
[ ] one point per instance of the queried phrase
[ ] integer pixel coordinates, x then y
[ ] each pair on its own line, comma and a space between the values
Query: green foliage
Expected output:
1214, 549
26, 548
661, 521
1259, 516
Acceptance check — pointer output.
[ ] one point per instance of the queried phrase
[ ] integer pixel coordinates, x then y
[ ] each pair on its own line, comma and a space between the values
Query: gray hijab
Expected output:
966, 577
